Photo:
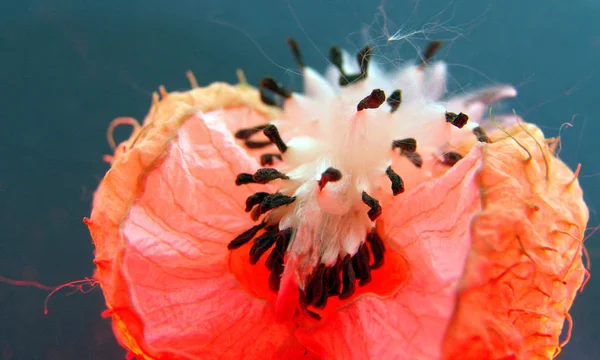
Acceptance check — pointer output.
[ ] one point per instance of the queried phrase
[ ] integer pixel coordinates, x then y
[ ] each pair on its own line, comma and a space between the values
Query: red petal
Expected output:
162, 219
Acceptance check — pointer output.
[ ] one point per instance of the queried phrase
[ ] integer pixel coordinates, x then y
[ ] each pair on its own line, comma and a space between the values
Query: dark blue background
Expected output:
67, 68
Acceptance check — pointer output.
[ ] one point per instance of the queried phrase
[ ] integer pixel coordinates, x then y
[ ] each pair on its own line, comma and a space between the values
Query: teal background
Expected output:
67, 68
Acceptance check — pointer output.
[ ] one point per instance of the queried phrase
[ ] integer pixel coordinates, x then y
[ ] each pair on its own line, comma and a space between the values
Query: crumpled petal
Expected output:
525, 261
161, 222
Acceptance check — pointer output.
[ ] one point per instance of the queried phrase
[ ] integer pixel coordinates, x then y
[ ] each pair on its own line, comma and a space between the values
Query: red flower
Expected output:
352, 229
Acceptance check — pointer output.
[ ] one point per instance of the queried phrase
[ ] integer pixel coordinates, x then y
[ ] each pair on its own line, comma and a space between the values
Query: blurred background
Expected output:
68, 67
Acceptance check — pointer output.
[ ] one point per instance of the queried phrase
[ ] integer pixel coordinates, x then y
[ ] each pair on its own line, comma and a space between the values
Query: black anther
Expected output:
329, 175
373, 204
408, 145
372, 101
394, 100
459, 120
397, 183
272, 133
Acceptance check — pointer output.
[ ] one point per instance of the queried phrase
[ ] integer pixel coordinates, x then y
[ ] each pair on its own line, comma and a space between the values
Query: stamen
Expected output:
326, 280
377, 248
244, 237
397, 183
304, 307
329, 175
271, 202
273, 257
275, 276
459, 120
349, 79
263, 243
372, 101
451, 158
248, 132
256, 144
261, 176
281, 245
255, 199
315, 288
408, 145
375, 208
415, 158
272, 85
360, 263
335, 56
481, 135
267, 99
348, 278
322, 302
275, 260
244, 178
264, 175
295, 51
276, 200
363, 57
333, 280
272, 133
430, 52
395, 100
268, 159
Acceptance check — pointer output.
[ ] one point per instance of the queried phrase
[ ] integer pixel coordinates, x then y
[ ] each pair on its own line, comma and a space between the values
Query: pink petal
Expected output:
166, 275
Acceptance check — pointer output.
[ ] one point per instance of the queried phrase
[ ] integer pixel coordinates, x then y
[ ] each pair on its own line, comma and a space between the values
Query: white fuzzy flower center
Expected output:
346, 150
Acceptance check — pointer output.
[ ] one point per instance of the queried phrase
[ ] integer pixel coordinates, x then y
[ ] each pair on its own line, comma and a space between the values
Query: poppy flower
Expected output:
367, 218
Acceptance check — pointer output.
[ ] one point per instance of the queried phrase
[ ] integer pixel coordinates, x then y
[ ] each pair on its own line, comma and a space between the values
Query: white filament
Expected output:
323, 129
